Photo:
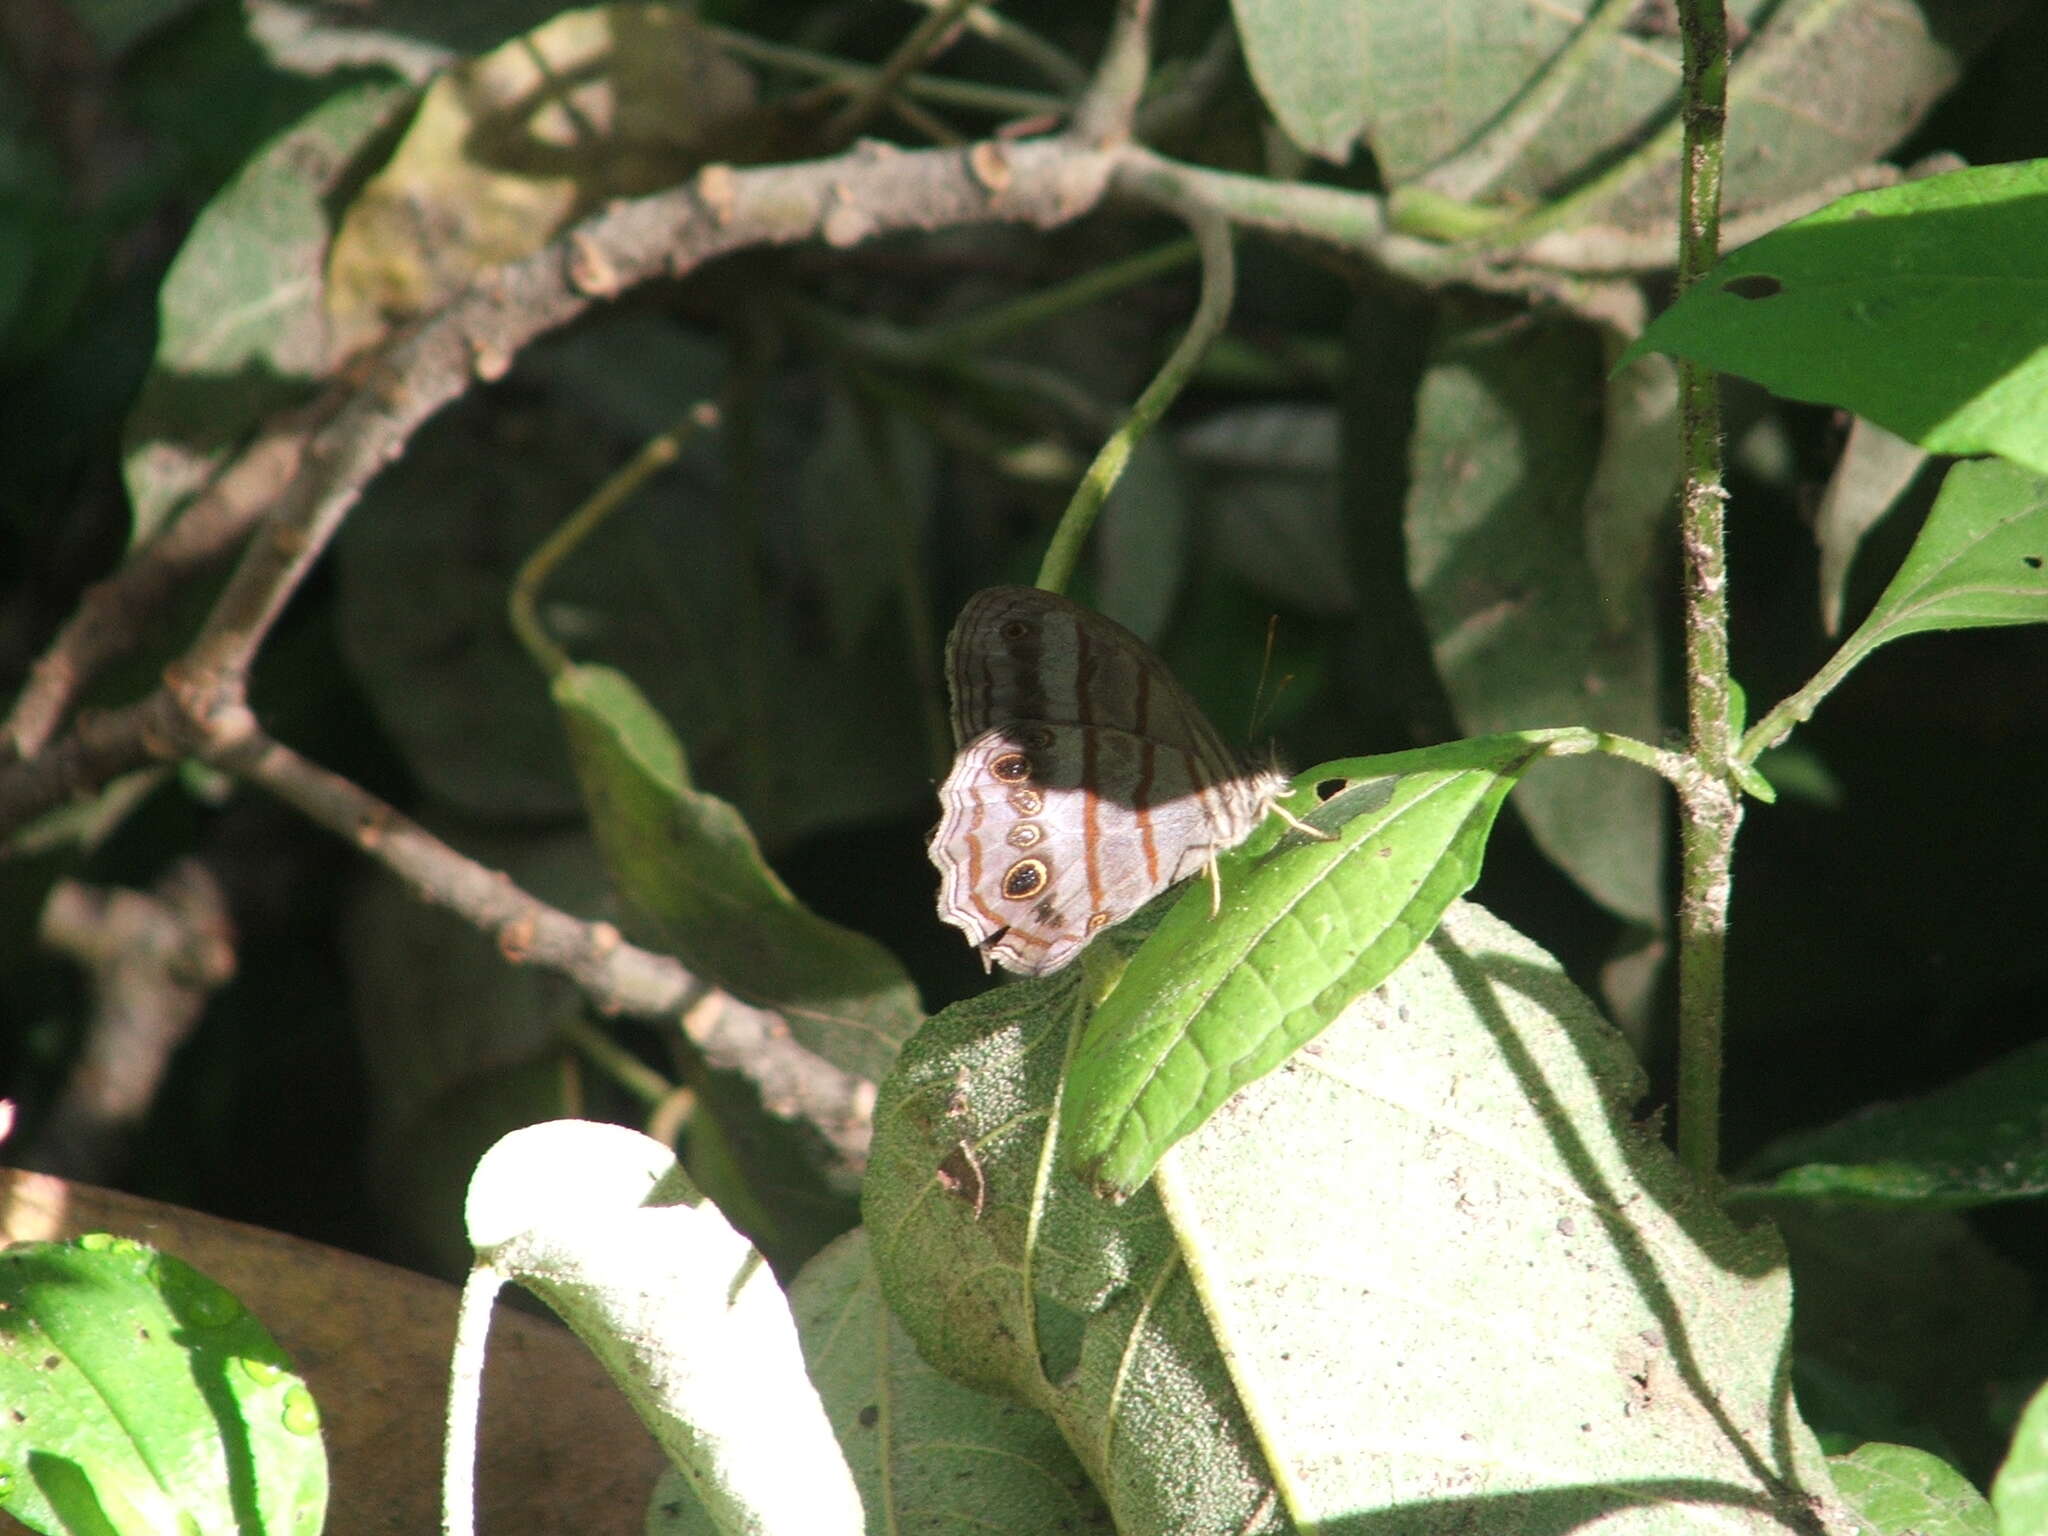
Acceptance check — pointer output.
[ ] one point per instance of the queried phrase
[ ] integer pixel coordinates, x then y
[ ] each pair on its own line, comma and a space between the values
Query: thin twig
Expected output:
866, 193
616, 976
522, 604
152, 960
1212, 313
115, 614
911, 52
1105, 112
966, 95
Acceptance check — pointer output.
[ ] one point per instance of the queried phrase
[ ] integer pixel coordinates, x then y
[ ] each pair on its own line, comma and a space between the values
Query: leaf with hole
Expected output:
143, 1398
1428, 1277
1215, 1001
1916, 306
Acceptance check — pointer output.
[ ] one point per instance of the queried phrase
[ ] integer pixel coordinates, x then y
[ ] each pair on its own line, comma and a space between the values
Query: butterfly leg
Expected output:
1301, 826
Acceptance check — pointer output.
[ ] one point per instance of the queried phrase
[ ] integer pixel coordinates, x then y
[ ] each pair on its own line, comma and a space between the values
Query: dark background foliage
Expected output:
1889, 932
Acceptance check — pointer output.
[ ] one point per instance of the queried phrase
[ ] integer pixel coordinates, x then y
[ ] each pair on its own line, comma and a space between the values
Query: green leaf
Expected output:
1016, 1281
1517, 103
2019, 1495
1901, 1490
497, 161
1319, 1315
864, 502
1214, 1002
689, 865
1913, 1301
599, 1222
803, 732
1141, 541
928, 1453
1269, 475
1981, 559
243, 330
1977, 1141
1914, 306
1537, 595
143, 1398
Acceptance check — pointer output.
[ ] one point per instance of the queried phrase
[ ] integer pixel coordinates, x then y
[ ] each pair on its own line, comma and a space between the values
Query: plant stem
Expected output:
964, 94
523, 602
1219, 287
909, 53
999, 322
1710, 804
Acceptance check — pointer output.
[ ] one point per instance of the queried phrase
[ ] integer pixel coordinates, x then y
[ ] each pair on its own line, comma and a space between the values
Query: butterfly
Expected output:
1085, 780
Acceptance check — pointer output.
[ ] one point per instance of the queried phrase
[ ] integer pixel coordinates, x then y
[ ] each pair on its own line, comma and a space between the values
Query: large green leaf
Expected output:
1016, 1280
928, 1453
689, 865
1518, 102
143, 1398
1215, 1001
1915, 306
1902, 1314
1974, 1142
1430, 1277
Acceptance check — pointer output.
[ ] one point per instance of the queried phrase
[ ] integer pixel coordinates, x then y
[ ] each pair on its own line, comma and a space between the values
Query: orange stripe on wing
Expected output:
1148, 774
1091, 802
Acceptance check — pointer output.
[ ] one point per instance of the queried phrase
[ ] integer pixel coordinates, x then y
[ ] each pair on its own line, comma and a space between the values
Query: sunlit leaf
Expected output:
1214, 1002
244, 331
508, 149
1407, 1258
600, 1223
144, 1398
1903, 1491
1475, 99
1914, 306
2019, 1496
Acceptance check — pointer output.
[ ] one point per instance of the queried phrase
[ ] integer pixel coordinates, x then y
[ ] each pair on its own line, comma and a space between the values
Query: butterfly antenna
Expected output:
1251, 728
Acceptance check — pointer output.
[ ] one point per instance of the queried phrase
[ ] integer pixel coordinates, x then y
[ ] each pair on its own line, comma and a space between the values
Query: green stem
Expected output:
911, 52
1574, 741
1000, 101
974, 333
624, 1069
1710, 804
523, 603
1797, 708
1219, 287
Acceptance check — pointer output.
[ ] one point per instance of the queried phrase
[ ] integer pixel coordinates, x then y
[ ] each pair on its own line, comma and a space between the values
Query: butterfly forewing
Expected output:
1021, 654
1086, 781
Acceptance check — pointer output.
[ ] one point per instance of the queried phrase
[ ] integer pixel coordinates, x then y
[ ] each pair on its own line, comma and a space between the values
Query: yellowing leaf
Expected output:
510, 148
